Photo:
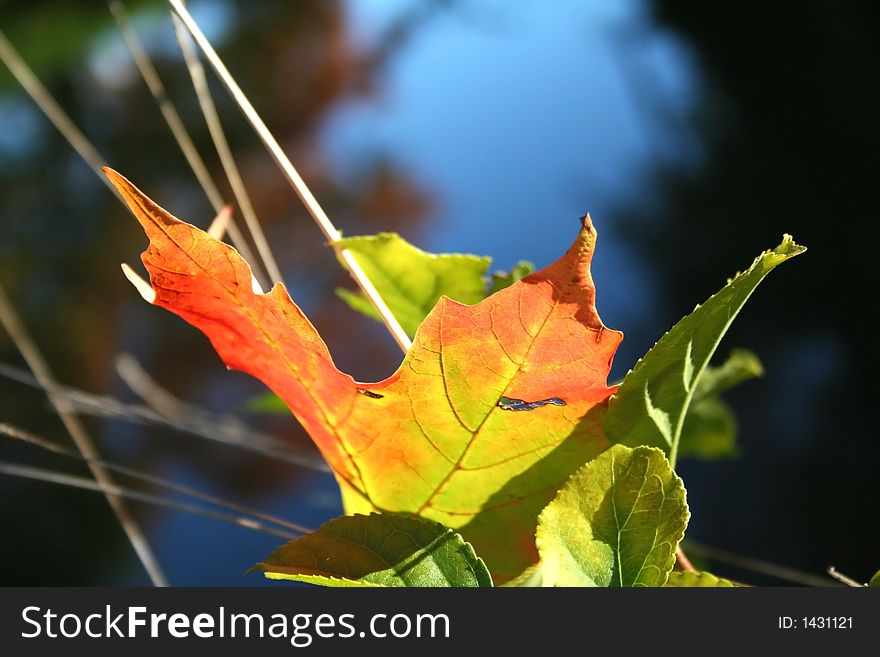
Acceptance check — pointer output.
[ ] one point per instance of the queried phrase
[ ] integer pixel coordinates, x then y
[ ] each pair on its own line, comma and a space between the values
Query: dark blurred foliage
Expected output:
780, 136
64, 237
788, 121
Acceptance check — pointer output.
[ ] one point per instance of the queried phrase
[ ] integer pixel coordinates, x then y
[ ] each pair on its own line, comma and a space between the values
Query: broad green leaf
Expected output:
503, 279
651, 404
384, 549
875, 581
493, 408
701, 580
410, 280
616, 522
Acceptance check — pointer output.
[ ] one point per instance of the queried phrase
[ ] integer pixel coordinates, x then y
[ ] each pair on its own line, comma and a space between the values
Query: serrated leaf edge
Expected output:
468, 552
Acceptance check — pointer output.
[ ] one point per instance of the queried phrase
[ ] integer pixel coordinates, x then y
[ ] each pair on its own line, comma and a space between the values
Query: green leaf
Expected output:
710, 427
701, 580
410, 280
503, 279
266, 403
709, 431
616, 522
358, 302
875, 581
380, 549
651, 404
739, 367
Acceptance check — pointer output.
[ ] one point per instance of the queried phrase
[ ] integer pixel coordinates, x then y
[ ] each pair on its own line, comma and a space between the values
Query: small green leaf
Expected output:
381, 549
710, 428
616, 522
701, 580
503, 279
739, 367
875, 581
650, 406
358, 302
709, 431
410, 280
266, 403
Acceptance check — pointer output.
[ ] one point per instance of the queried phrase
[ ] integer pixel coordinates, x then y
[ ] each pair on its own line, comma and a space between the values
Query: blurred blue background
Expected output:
694, 135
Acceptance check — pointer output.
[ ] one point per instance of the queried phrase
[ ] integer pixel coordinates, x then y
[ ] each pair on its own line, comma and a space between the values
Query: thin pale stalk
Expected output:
145, 387
220, 225
59, 118
226, 430
178, 130
682, 560
292, 175
15, 433
778, 571
215, 128
35, 361
116, 492
844, 579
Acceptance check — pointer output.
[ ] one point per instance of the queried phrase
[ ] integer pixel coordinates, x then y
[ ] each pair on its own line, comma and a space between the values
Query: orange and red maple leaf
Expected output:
491, 410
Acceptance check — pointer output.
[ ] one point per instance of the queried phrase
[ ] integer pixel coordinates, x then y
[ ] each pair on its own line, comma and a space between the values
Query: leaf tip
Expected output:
143, 208
587, 222
122, 184
788, 248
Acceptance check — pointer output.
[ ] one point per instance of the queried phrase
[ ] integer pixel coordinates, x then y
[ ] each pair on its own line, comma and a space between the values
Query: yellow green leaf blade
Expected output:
651, 404
697, 580
875, 581
380, 549
616, 522
410, 280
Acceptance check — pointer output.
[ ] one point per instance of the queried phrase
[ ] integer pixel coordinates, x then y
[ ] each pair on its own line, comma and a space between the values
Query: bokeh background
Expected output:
694, 133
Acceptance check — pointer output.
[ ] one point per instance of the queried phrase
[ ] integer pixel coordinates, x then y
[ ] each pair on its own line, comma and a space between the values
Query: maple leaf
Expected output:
492, 409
